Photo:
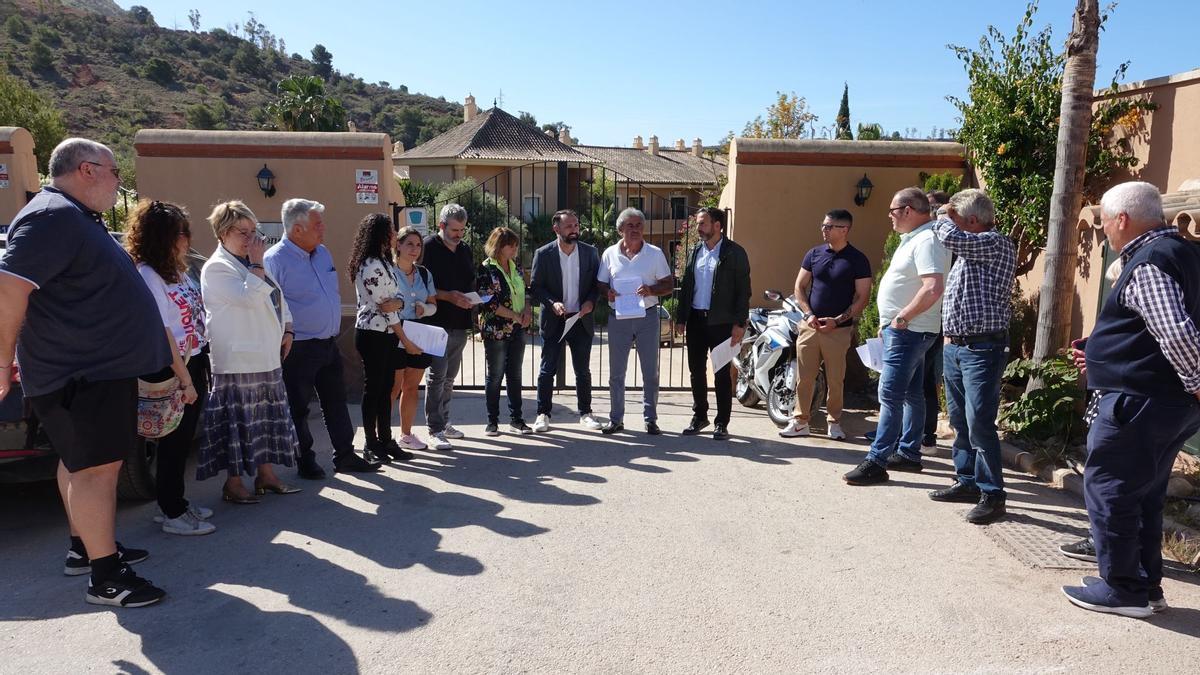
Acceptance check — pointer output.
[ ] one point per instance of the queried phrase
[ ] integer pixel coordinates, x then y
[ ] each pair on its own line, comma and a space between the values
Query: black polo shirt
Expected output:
90, 316
833, 277
452, 271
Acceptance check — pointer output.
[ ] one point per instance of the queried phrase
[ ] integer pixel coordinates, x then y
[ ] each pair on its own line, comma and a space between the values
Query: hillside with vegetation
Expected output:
112, 72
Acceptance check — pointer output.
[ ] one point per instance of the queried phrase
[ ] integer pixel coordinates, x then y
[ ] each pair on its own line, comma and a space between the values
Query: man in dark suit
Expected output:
714, 304
563, 281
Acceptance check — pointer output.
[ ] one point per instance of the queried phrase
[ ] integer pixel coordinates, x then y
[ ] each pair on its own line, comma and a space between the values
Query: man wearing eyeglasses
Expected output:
910, 313
832, 288
91, 327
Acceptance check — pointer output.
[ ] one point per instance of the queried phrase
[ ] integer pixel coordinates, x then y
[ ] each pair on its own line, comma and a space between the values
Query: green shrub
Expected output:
159, 70
1048, 413
16, 27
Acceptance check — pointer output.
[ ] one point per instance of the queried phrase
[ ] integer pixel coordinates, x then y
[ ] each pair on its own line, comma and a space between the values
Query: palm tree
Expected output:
303, 106
1075, 119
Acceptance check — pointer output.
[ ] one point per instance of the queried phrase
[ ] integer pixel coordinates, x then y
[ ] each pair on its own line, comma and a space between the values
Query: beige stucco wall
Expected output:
780, 190
1166, 144
16, 154
431, 174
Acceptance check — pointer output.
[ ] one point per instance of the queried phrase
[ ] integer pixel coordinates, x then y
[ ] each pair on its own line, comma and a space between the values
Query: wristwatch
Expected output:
902, 321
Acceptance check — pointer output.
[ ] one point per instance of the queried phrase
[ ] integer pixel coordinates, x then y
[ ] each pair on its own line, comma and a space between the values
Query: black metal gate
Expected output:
524, 198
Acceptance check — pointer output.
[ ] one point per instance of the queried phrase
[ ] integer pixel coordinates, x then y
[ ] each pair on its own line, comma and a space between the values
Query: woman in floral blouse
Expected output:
503, 320
384, 302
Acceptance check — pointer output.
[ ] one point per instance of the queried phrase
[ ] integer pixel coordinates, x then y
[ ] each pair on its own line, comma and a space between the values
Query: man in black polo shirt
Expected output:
91, 328
450, 262
832, 288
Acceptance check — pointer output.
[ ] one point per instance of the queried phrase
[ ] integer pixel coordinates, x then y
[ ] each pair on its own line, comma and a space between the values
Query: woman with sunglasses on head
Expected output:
158, 238
247, 424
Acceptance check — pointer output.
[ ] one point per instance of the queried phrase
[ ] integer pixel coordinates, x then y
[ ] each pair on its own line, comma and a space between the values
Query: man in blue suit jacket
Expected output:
563, 281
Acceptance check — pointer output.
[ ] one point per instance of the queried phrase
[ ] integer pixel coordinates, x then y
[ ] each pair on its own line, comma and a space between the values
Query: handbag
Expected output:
160, 406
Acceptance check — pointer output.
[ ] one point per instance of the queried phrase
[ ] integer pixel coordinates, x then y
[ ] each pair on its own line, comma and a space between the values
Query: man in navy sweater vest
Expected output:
1144, 355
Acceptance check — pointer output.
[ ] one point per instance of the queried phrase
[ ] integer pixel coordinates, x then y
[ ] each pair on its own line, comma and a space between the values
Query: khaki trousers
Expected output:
813, 347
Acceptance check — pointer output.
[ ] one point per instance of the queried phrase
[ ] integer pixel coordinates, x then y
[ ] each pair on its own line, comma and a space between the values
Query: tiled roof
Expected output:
494, 134
678, 167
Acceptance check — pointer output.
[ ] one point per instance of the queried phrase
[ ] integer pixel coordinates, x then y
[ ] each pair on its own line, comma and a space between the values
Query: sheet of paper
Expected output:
723, 354
629, 304
431, 339
569, 325
871, 354
477, 299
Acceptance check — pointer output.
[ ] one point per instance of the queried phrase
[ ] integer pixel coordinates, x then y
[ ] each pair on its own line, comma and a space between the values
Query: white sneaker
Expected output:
411, 442
542, 424
451, 432
588, 421
198, 512
835, 432
793, 429
187, 525
439, 441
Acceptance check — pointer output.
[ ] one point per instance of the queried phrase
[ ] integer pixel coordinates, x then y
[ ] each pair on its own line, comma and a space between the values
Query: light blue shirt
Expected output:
310, 286
706, 267
414, 293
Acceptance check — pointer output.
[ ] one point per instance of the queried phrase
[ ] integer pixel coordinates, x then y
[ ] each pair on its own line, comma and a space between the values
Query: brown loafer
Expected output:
277, 488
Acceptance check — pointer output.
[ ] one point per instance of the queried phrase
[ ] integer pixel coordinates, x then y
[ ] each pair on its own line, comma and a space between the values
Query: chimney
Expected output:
679, 144
697, 147
352, 127
653, 145
470, 110
564, 136
398, 148
637, 143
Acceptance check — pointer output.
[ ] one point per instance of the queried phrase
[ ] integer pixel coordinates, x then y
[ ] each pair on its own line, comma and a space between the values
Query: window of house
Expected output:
531, 207
678, 208
637, 203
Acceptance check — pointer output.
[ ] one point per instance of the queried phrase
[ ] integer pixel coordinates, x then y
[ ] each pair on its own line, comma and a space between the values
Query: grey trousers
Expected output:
439, 383
623, 334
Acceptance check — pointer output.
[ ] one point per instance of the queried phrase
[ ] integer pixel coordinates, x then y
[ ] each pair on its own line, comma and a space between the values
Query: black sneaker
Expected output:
867, 473
720, 432
652, 429
695, 426
77, 564
492, 429
989, 509
929, 441
352, 463
612, 428
126, 589
390, 448
1084, 550
957, 493
310, 470
898, 462
519, 427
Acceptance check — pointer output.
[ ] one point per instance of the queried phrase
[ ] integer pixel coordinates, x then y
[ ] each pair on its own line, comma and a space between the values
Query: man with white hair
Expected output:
975, 315
91, 328
634, 263
1144, 354
304, 269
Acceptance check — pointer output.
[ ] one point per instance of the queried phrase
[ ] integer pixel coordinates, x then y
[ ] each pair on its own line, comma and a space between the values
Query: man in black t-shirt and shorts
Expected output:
83, 326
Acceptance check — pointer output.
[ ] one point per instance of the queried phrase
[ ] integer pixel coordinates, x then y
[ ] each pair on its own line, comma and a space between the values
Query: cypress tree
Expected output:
843, 116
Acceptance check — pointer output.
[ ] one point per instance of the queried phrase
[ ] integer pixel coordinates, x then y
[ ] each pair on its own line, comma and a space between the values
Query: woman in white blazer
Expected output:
247, 425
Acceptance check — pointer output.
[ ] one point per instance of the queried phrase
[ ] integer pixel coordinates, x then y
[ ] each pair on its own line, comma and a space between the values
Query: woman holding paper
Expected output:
503, 320
419, 297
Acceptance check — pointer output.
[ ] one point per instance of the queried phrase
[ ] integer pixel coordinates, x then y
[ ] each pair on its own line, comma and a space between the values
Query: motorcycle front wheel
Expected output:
781, 401
742, 389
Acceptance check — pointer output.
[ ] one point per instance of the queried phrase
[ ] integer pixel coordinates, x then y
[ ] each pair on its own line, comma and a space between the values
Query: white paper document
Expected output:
569, 325
871, 354
431, 339
476, 299
629, 304
723, 354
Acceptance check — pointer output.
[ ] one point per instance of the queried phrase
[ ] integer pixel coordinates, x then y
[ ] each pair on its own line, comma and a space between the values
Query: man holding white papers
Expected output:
714, 304
832, 288
633, 274
563, 281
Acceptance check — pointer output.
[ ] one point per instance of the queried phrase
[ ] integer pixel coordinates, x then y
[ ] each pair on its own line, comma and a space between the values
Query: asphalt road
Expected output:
574, 552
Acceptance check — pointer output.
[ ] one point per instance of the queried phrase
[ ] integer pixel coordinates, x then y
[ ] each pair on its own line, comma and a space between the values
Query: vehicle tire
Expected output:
741, 386
820, 390
137, 479
781, 400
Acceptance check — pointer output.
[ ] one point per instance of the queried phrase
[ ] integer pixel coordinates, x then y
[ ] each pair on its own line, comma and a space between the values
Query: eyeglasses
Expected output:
115, 171
245, 233
829, 226
897, 208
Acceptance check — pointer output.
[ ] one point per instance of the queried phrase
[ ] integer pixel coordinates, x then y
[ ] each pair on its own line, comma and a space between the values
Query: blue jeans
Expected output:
901, 395
503, 362
973, 375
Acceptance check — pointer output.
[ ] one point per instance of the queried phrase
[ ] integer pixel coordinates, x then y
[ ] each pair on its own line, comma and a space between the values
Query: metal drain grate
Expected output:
1034, 535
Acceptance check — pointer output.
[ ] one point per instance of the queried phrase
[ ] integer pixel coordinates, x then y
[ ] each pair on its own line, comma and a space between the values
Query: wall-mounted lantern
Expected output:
862, 191
266, 181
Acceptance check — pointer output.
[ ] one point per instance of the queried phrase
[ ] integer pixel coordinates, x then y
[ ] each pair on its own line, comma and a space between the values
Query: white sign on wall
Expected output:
415, 216
366, 186
3, 176
271, 232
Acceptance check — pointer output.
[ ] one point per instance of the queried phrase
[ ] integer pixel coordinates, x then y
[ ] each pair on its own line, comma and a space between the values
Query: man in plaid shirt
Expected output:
1144, 354
975, 317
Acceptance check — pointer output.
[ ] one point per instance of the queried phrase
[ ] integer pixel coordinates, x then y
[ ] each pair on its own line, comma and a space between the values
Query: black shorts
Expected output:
90, 423
405, 360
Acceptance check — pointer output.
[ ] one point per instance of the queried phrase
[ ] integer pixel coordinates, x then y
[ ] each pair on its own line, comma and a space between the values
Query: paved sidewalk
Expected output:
575, 552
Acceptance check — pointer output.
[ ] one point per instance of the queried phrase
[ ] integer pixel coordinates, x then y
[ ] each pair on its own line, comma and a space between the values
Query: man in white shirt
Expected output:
641, 267
563, 281
910, 314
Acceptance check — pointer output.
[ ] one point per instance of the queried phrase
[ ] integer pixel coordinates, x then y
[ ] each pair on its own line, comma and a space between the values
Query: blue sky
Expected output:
618, 68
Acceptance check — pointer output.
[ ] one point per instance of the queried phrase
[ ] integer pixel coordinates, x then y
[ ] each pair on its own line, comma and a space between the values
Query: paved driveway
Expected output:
574, 552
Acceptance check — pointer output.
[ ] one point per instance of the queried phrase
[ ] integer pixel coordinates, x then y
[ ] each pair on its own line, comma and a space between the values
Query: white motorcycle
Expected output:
766, 364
